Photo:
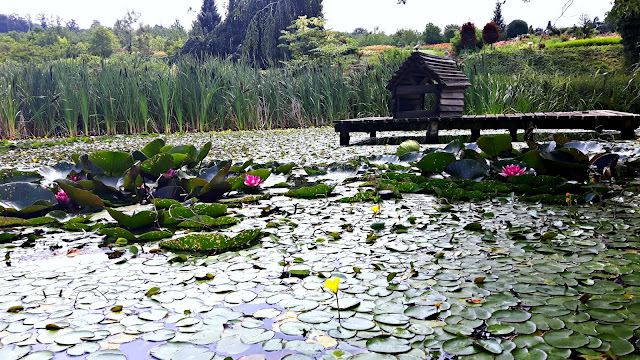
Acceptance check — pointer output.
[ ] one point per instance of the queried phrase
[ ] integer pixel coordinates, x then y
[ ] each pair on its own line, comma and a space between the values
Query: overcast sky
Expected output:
341, 15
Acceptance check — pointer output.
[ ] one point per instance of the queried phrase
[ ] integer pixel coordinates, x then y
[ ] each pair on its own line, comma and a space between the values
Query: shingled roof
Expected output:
418, 66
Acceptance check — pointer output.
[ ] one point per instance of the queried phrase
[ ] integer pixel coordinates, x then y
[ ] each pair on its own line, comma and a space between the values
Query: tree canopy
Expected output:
252, 30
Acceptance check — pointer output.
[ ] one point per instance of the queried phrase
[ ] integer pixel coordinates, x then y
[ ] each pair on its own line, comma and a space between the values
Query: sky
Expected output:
341, 15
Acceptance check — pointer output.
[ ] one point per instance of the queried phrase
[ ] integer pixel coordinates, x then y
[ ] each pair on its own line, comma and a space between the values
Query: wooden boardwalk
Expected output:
597, 120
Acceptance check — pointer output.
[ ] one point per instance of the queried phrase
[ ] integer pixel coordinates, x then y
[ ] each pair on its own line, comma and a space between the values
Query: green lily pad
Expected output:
80, 196
310, 192
213, 241
157, 165
511, 316
21, 196
135, 221
407, 146
435, 162
388, 345
493, 145
459, 346
153, 148
114, 163
565, 339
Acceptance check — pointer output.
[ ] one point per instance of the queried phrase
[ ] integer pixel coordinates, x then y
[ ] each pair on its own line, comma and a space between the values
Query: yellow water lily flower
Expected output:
375, 208
332, 284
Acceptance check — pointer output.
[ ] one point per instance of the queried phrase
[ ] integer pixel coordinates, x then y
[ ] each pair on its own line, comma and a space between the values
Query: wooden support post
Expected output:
344, 138
514, 134
475, 134
627, 133
372, 134
528, 131
432, 133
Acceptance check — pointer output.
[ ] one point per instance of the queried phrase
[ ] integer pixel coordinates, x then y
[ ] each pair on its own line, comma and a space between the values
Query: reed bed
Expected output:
125, 96
529, 92
132, 95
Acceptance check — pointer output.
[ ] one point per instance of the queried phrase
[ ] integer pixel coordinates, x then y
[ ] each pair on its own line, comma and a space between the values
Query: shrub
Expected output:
468, 35
587, 42
629, 30
490, 33
517, 27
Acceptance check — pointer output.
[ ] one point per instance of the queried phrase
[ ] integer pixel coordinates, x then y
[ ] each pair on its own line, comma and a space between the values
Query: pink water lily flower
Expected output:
252, 181
169, 174
512, 170
76, 177
63, 198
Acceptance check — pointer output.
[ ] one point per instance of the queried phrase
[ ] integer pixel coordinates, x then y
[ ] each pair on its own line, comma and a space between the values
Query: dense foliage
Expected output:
252, 30
517, 27
490, 33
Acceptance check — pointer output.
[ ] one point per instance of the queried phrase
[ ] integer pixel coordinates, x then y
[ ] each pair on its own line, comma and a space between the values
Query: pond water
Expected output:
530, 281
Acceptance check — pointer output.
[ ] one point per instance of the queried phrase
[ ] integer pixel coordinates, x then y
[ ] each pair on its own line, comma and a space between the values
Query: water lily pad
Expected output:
565, 339
315, 317
114, 163
493, 145
388, 345
435, 162
500, 329
459, 346
213, 241
511, 316
357, 324
25, 197
135, 221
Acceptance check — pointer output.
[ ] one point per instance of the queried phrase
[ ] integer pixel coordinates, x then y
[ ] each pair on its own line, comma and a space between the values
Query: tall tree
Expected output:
497, 16
627, 16
123, 28
432, 34
450, 32
209, 17
252, 30
102, 41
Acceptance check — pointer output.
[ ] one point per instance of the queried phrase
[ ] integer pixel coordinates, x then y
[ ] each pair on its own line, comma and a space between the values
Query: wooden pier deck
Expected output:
597, 120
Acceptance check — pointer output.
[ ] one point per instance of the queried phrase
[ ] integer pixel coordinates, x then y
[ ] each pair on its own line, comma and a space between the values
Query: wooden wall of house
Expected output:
451, 102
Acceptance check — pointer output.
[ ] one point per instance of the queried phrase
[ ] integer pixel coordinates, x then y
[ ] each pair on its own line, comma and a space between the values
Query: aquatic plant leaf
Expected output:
213, 242
20, 196
459, 346
435, 162
466, 169
263, 174
81, 197
388, 345
214, 209
135, 221
454, 147
204, 151
157, 165
533, 161
285, 169
153, 148
493, 145
202, 221
154, 235
114, 163
58, 171
189, 150
565, 339
215, 188
117, 232
407, 146
310, 192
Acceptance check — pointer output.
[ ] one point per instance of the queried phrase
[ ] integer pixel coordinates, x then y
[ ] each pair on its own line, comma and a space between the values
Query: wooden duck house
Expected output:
428, 86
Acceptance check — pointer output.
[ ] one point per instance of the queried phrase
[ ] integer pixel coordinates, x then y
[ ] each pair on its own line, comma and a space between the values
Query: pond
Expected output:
422, 273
